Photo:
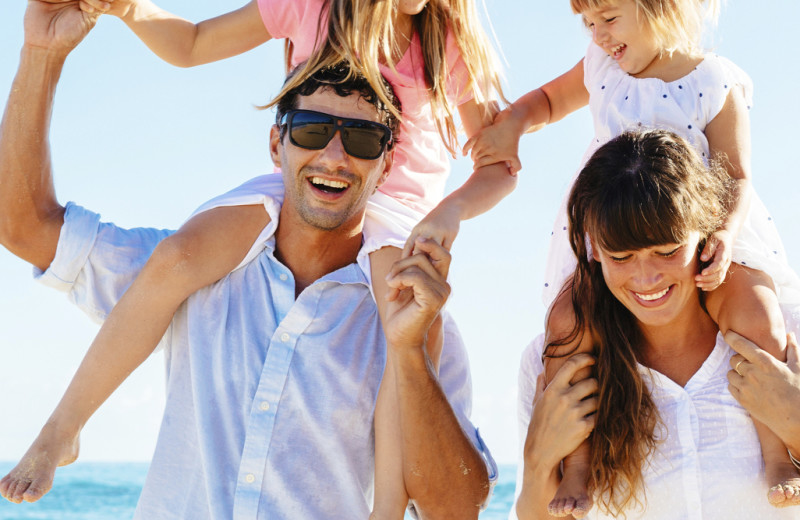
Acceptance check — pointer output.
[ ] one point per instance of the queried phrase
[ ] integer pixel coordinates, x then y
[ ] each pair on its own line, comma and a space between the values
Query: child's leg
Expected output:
747, 304
572, 497
391, 498
205, 249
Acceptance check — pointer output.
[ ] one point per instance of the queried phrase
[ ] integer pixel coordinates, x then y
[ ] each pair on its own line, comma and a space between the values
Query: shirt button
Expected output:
284, 277
264, 406
284, 337
250, 478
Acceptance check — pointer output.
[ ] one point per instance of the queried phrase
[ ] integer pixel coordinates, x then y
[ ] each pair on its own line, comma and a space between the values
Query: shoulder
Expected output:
289, 18
597, 65
717, 77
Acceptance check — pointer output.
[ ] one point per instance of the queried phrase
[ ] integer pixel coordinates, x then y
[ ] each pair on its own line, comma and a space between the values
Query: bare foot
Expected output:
572, 497
33, 476
787, 492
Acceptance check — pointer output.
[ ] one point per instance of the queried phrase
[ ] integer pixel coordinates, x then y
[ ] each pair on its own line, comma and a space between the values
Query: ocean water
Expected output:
109, 491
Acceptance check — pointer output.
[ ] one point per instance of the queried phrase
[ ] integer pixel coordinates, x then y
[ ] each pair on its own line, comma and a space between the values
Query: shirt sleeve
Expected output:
529, 369
458, 75
96, 262
282, 17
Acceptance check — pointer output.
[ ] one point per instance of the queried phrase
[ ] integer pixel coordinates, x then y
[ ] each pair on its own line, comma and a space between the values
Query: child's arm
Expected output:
186, 44
482, 191
205, 249
547, 104
728, 137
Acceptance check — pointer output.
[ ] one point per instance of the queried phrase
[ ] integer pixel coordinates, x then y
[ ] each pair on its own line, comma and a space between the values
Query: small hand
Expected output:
497, 143
441, 225
718, 247
418, 290
563, 414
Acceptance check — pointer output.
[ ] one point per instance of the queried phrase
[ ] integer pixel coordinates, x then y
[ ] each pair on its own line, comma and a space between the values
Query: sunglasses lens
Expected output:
311, 130
363, 139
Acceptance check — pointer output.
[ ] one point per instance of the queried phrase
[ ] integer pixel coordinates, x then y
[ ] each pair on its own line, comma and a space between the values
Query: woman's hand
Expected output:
768, 388
563, 417
563, 414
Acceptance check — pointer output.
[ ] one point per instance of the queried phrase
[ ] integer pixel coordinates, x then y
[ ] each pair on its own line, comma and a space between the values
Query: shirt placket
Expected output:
263, 411
688, 435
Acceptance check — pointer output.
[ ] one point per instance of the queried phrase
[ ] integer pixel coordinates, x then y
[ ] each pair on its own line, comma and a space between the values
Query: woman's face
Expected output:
655, 283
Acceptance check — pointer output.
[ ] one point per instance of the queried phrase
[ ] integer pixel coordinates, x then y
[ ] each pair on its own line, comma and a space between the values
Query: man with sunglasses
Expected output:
273, 371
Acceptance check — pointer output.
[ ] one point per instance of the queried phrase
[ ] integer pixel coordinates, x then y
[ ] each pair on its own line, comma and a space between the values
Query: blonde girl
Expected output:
437, 59
644, 69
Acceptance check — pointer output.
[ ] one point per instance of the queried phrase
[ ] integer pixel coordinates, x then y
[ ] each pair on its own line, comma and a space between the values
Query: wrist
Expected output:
49, 58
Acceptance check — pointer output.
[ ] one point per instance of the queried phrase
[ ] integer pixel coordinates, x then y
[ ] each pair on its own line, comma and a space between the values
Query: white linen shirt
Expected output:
270, 399
708, 462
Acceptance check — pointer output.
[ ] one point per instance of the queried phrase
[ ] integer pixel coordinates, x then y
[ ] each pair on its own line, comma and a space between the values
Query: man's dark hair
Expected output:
341, 79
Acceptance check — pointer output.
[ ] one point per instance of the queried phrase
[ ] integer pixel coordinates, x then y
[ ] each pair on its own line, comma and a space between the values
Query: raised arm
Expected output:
445, 476
481, 192
30, 216
547, 104
186, 44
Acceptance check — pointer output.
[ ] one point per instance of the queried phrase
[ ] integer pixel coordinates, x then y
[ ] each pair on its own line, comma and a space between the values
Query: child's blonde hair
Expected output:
362, 32
677, 24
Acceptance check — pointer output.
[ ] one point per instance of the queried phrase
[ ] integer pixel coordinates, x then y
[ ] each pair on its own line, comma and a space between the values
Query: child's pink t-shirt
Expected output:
421, 162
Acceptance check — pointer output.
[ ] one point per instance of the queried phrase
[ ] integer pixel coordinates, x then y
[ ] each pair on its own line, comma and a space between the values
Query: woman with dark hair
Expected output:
669, 440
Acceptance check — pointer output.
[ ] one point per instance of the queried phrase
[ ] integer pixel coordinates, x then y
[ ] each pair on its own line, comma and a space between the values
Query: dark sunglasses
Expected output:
314, 130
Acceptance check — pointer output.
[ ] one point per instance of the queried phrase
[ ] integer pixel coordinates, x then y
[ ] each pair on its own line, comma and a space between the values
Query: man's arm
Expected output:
30, 216
444, 474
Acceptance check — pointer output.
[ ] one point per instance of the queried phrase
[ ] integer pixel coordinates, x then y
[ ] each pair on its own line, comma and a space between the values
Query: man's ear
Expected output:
388, 161
275, 145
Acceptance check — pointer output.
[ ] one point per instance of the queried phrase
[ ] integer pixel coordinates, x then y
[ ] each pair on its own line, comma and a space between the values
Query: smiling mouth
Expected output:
617, 50
652, 296
327, 185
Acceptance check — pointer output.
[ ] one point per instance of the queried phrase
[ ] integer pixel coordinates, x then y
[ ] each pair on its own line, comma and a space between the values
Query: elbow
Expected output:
463, 498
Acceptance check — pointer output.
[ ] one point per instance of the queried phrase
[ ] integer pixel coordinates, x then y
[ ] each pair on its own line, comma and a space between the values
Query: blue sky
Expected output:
145, 143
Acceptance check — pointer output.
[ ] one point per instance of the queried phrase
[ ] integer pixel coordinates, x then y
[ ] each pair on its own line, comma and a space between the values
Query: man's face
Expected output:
328, 188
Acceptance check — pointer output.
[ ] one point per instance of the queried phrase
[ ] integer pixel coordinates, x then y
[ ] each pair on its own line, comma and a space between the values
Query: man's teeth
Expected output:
331, 184
654, 296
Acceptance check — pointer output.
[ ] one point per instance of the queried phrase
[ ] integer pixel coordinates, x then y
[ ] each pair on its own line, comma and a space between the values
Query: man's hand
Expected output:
57, 26
419, 289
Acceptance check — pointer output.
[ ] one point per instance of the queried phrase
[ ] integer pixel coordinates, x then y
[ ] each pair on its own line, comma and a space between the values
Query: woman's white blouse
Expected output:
708, 464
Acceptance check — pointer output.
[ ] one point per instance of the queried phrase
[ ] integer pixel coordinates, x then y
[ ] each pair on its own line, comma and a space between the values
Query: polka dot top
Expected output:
620, 102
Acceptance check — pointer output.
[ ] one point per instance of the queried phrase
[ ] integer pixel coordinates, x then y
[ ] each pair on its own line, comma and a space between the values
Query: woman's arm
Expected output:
562, 418
768, 388
186, 44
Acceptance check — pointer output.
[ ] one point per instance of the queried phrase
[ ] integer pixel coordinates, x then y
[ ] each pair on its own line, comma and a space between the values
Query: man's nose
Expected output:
334, 151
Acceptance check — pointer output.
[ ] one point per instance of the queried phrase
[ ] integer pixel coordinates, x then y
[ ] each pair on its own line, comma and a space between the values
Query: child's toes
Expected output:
37, 490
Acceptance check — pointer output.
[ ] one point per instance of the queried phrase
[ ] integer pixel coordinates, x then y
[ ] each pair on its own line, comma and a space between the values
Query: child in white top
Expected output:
644, 70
